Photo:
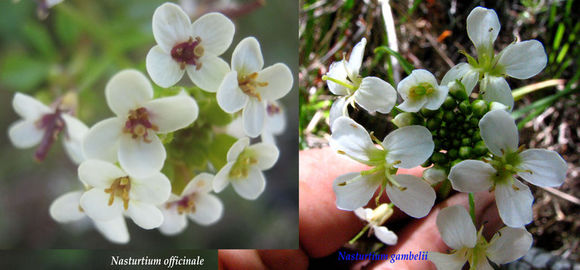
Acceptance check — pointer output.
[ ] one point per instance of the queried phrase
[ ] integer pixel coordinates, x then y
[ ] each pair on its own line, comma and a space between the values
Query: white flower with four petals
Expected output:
244, 168
538, 166
183, 46
421, 90
405, 147
131, 136
194, 202
249, 87
458, 232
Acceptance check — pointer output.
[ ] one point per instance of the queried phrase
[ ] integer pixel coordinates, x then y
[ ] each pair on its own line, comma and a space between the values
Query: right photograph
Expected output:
439, 135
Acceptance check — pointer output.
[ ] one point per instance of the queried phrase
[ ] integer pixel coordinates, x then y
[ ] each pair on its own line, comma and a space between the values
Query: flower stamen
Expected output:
138, 124
120, 188
248, 84
188, 53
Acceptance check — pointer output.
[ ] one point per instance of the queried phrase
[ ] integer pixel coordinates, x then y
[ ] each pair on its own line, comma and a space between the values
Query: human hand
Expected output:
324, 228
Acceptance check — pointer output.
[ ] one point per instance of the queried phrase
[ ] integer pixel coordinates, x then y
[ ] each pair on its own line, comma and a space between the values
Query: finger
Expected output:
243, 259
423, 235
323, 227
284, 259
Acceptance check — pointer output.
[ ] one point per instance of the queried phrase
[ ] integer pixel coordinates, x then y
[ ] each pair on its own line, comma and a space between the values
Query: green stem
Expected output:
351, 87
522, 91
472, 208
361, 233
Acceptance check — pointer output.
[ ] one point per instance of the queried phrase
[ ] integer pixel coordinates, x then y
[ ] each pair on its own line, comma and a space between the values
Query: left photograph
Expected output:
149, 124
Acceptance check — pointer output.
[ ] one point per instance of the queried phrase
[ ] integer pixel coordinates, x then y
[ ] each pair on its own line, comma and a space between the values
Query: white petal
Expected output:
336, 110
139, 158
482, 27
250, 188
247, 56
447, 261
548, 168
363, 213
267, 155
356, 58
483, 264
411, 145
154, 189
73, 141
229, 95
28, 107
375, 95
523, 60
208, 210
354, 190
416, 200
173, 222
385, 235
200, 184
267, 137
128, 90
437, 98
145, 215
172, 113
115, 230
510, 245
497, 89
471, 176
434, 175
162, 68
98, 173
236, 128
25, 134
279, 79
337, 71
455, 73
216, 32
66, 207
412, 106
456, 228
95, 203
515, 206
210, 75
237, 148
222, 178
275, 118
351, 138
170, 26
102, 140
499, 131
469, 81
253, 117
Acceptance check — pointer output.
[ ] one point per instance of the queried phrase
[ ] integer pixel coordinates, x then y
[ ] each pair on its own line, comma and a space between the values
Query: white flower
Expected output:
520, 60
376, 218
116, 192
66, 208
458, 232
274, 124
244, 168
249, 87
406, 147
538, 166
371, 93
183, 46
131, 136
420, 89
194, 202
41, 125
434, 175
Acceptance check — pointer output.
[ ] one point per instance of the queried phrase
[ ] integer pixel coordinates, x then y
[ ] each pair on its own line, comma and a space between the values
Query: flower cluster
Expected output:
466, 141
131, 165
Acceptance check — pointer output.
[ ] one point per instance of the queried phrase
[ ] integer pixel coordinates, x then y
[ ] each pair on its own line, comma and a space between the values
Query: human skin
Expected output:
325, 228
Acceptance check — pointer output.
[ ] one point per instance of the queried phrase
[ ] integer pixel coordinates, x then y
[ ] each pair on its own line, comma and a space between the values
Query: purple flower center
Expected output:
272, 109
52, 124
138, 124
184, 205
188, 53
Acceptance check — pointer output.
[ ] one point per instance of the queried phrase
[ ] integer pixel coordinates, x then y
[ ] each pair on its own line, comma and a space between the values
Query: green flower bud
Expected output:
452, 154
466, 141
449, 103
474, 121
479, 107
464, 152
438, 158
427, 113
465, 107
406, 119
433, 123
456, 143
457, 90
480, 148
449, 116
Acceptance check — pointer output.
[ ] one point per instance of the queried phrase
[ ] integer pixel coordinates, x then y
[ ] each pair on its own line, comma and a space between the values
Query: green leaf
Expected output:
408, 67
66, 29
19, 72
39, 39
219, 149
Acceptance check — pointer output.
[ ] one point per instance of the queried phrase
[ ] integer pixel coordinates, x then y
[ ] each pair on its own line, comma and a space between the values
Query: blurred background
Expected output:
430, 34
77, 46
